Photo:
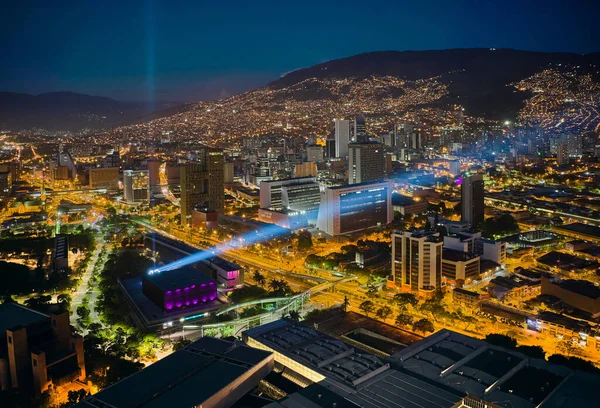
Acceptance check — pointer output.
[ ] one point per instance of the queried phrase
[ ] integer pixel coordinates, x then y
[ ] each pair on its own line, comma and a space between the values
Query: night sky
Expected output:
190, 50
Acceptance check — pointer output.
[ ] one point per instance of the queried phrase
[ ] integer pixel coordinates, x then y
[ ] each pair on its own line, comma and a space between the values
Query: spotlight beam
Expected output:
250, 238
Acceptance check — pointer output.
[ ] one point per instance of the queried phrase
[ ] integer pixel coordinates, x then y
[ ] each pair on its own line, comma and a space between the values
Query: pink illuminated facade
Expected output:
179, 289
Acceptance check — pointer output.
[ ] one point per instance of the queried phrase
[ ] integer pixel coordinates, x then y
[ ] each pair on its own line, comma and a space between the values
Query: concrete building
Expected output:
454, 167
407, 205
315, 154
562, 154
333, 373
135, 186
342, 137
459, 267
104, 177
178, 288
228, 173
365, 162
466, 299
6, 182
271, 191
346, 209
487, 249
416, 261
202, 184
472, 199
38, 351
359, 133
209, 373
154, 176
306, 169
500, 376
61, 252
579, 294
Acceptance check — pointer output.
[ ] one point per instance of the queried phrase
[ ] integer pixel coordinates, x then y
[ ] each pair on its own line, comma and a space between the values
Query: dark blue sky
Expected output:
190, 50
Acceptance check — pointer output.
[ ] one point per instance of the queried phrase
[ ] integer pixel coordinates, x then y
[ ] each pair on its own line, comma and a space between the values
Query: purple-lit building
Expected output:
179, 288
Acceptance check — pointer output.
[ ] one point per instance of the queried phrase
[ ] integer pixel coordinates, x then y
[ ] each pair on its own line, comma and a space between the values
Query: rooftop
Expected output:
457, 256
185, 378
473, 366
582, 229
178, 278
342, 367
13, 315
581, 287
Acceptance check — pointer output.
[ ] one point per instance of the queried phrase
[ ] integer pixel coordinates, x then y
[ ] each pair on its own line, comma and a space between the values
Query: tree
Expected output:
404, 299
294, 315
532, 351
384, 312
346, 304
501, 340
74, 397
259, 278
181, 343
64, 298
279, 287
304, 240
367, 307
404, 320
83, 312
423, 325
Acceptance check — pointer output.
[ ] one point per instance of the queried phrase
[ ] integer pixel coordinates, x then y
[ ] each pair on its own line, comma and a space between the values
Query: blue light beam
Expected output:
250, 238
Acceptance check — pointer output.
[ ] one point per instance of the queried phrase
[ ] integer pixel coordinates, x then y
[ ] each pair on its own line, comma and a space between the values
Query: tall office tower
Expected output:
330, 150
202, 184
365, 162
472, 200
575, 144
454, 167
360, 129
562, 154
65, 159
417, 261
347, 209
135, 186
154, 176
415, 141
342, 137
6, 182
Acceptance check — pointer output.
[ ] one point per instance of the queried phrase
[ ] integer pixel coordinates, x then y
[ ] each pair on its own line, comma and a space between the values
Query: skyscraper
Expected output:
360, 129
135, 186
154, 176
365, 162
342, 137
417, 261
472, 200
562, 154
202, 184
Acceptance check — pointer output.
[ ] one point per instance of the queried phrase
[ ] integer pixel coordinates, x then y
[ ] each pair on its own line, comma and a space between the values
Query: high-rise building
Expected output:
454, 167
228, 173
472, 200
202, 184
154, 176
417, 261
342, 137
135, 186
271, 191
38, 351
360, 129
6, 182
365, 162
562, 154
346, 209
